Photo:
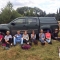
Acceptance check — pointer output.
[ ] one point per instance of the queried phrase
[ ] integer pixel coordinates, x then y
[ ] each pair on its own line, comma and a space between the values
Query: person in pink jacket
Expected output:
48, 37
1, 37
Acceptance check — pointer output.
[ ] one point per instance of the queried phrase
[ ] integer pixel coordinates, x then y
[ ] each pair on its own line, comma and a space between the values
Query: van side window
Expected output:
48, 20
21, 21
32, 21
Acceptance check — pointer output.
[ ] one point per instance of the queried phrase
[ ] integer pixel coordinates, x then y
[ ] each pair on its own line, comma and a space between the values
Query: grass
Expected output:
39, 52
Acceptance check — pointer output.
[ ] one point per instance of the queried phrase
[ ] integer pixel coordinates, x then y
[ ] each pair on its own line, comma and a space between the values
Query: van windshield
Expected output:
48, 20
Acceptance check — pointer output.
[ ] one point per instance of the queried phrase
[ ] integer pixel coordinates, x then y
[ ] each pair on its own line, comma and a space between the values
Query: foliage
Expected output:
29, 11
51, 15
8, 13
58, 15
15, 14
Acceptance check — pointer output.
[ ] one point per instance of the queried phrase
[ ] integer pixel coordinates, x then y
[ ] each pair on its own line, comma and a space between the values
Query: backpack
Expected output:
26, 46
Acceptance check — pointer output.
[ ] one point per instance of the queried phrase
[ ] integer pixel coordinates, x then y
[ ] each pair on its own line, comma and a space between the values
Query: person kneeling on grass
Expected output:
8, 40
48, 37
42, 37
25, 37
18, 38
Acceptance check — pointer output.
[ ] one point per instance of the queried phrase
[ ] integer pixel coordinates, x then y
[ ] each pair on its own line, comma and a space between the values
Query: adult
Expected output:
8, 39
42, 37
48, 37
55, 35
18, 38
1, 38
33, 37
25, 37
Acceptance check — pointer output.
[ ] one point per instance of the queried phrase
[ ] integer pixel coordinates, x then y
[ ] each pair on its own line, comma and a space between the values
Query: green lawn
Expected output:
39, 52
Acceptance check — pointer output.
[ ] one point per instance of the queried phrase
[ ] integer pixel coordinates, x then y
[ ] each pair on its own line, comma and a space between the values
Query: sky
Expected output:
50, 6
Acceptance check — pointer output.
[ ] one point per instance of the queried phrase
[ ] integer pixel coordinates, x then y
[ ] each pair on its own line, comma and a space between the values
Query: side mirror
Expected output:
12, 23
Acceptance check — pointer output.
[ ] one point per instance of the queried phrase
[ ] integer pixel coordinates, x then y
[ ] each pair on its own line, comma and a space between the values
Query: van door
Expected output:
32, 24
18, 24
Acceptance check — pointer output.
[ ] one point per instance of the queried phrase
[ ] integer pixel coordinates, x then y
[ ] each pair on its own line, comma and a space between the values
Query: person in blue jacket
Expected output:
18, 38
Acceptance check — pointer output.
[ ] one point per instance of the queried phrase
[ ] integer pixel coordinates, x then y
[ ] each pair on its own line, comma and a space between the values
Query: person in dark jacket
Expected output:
55, 35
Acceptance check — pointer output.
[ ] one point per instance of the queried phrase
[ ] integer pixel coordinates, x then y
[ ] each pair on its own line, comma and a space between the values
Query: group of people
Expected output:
9, 40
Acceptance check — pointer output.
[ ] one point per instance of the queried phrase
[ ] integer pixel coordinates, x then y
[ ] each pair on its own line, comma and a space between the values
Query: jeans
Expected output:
48, 40
42, 41
19, 41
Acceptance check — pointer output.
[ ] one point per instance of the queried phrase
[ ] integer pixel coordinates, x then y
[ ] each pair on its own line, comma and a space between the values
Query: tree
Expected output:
8, 13
9, 6
15, 14
44, 14
59, 10
29, 11
58, 15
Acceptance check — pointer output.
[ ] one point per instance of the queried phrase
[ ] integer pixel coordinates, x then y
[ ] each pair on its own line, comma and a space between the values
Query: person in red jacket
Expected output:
48, 37
1, 37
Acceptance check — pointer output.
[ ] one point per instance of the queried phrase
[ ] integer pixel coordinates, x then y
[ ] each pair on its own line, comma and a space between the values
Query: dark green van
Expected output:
29, 24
